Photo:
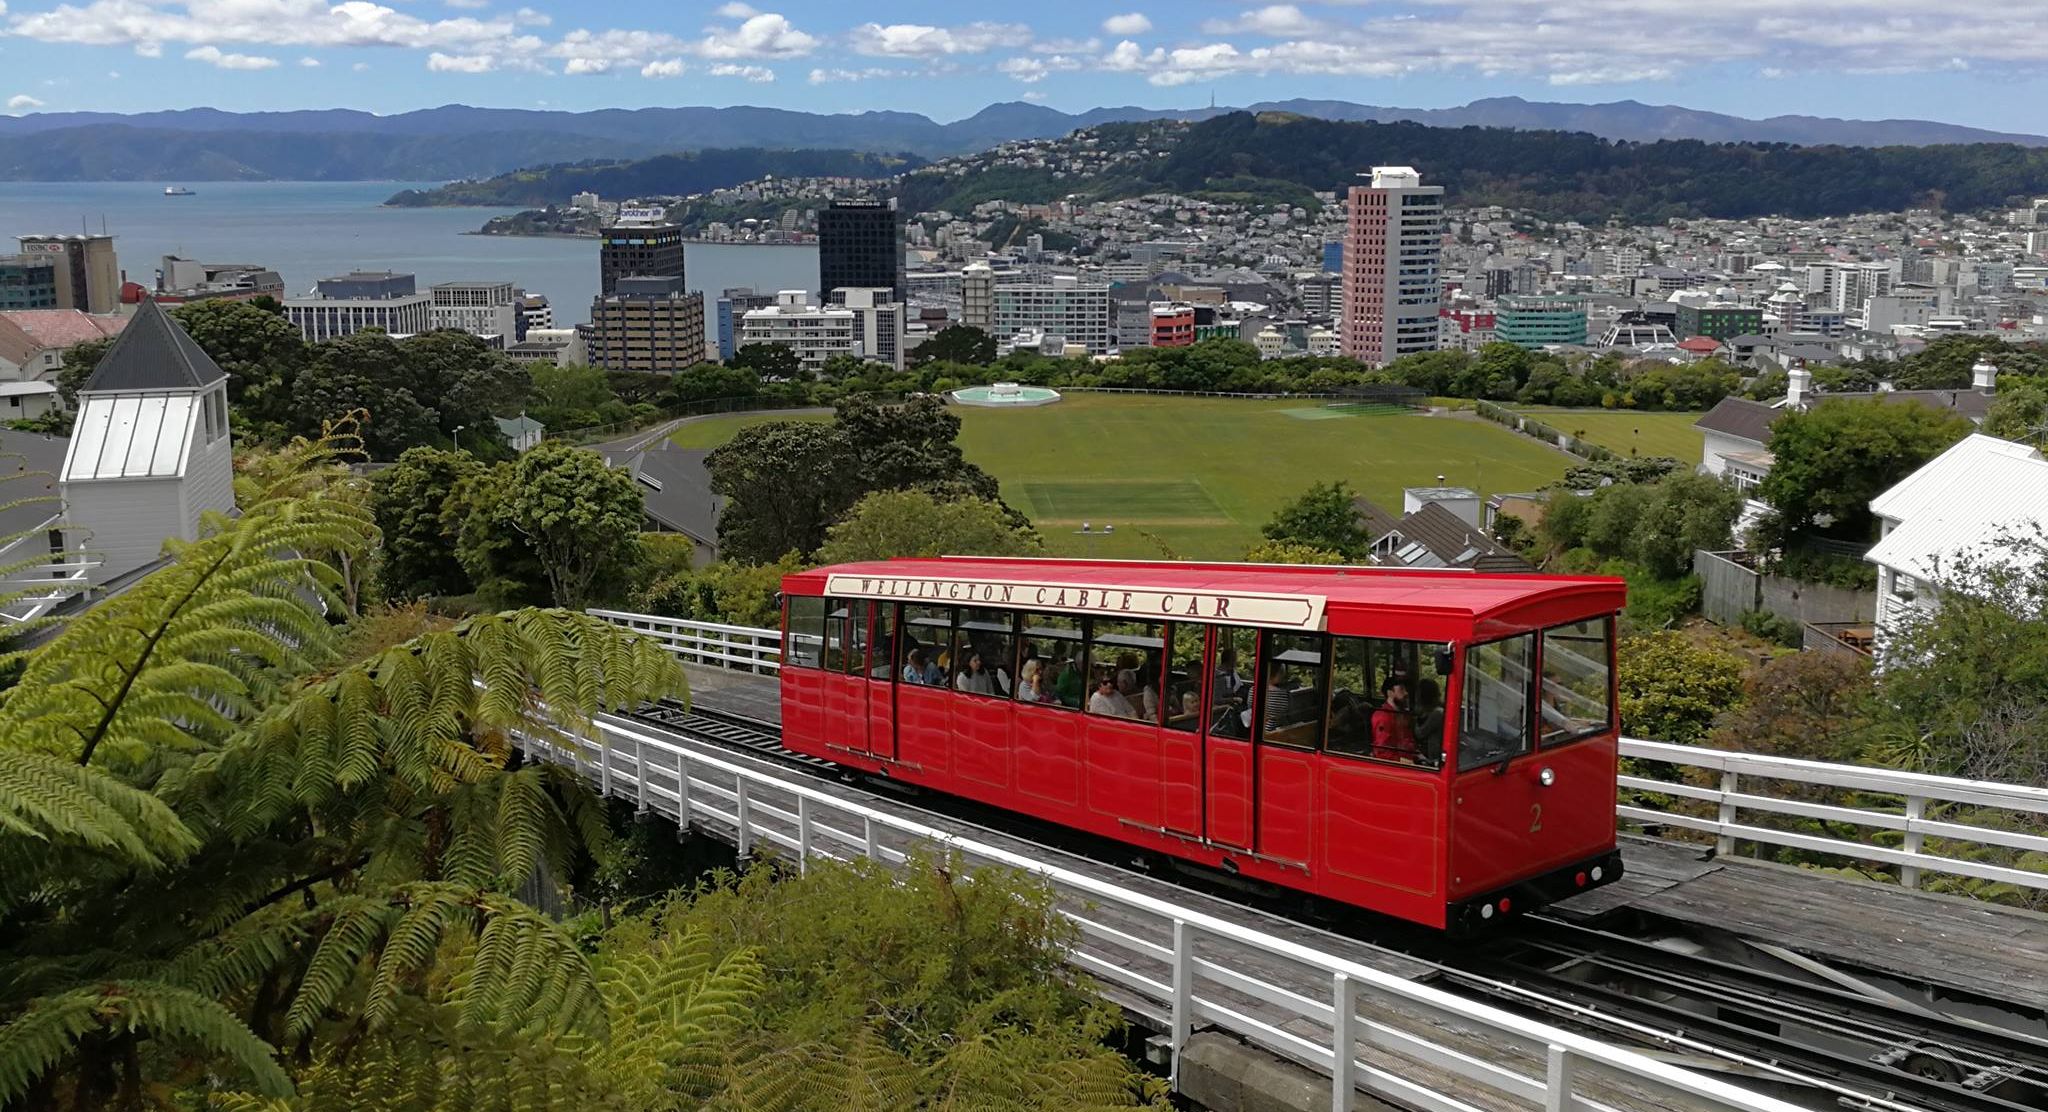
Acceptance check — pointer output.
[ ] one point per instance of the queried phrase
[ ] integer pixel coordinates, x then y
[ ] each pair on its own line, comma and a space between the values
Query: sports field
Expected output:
1201, 475
1619, 430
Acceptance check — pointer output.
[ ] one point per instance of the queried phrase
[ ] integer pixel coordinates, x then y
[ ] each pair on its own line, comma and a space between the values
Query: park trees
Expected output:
957, 343
259, 349
1831, 460
365, 371
557, 522
892, 524
768, 361
573, 397
2020, 413
1324, 518
410, 500
1290, 552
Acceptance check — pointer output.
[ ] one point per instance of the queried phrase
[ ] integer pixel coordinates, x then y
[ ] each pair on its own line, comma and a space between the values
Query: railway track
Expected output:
1818, 1043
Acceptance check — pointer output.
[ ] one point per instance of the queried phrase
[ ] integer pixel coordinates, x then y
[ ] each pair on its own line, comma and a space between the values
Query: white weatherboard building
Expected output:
150, 451
1957, 507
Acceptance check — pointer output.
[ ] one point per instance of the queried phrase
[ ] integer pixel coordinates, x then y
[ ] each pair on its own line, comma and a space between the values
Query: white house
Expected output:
150, 451
1958, 505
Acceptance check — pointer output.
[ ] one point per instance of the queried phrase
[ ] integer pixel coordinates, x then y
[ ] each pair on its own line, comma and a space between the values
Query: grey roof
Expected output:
20, 453
1740, 418
1378, 523
513, 427
1970, 403
1452, 540
675, 488
153, 353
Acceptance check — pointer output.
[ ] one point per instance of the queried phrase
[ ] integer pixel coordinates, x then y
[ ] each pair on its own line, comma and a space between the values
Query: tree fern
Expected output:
44, 1034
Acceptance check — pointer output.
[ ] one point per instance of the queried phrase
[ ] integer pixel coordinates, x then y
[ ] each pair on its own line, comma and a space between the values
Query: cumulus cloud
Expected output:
666, 67
737, 11
528, 17
759, 75
472, 4
1277, 20
579, 67
20, 101
1034, 69
871, 73
213, 56
438, 62
918, 40
149, 49
765, 35
1129, 23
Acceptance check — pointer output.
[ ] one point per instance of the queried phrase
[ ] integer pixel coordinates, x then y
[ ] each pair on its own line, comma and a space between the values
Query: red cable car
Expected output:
1434, 745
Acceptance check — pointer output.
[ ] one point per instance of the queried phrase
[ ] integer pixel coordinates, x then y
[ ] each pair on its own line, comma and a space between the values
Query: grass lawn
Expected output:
1619, 430
1203, 474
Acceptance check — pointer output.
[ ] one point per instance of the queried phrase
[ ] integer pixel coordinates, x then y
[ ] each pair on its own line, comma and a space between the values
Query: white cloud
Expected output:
918, 40
438, 62
759, 75
737, 11
213, 56
1034, 96
1088, 45
580, 67
1031, 70
1275, 20
471, 4
667, 67
1129, 23
19, 101
113, 75
528, 17
767, 35
871, 73
149, 49
310, 62
360, 67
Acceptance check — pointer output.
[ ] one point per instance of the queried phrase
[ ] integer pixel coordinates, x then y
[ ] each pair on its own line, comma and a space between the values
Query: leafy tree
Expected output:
909, 445
466, 382
784, 483
580, 518
726, 591
1831, 460
1672, 686
259, 349
364, 371
80, 360
2020, 413
1686, 512
574, 397
1290, 552
957, 343
1810, 705
773, 361
410, 500
1322, 517
1514, 534
894, 524
710, 380
221, 838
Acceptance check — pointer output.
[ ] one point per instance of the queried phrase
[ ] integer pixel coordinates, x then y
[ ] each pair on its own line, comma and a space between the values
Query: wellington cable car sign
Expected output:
1303, 612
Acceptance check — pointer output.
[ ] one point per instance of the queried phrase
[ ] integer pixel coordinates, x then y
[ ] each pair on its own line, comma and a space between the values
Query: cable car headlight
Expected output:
1547, 777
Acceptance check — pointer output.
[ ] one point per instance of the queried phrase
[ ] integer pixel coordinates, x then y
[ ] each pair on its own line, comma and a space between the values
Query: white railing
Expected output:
1421, 1046
758, 650
740, 648
1913, 791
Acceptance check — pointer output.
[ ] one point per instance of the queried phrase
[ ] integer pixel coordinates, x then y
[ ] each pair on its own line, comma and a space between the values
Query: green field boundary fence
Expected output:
1531, 427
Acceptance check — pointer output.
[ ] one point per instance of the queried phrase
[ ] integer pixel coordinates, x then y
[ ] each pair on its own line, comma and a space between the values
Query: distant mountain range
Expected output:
458, 141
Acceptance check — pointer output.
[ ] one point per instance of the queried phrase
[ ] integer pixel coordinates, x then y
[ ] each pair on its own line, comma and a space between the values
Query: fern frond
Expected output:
49, 1029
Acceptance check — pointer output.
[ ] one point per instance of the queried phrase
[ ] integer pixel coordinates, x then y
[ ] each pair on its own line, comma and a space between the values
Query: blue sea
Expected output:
310, 230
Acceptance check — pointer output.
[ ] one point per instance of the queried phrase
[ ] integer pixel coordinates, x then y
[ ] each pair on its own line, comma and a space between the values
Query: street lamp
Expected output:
458, 436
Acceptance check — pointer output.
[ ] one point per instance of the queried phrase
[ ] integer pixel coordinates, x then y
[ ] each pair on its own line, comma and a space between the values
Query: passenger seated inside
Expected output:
918, 669
1429, 723
1393, 725
1143, 692
1028, 690
1278, 696
1233, 714
1108, 701
974, 676
1067, 684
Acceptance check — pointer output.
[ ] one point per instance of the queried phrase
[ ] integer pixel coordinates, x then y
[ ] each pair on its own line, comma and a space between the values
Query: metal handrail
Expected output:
1216, 973
758, 650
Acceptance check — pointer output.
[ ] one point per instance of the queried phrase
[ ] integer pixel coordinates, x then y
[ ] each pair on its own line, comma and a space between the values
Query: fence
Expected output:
1423, 1046
1730, 588
758, 650
1531, 427
751, 403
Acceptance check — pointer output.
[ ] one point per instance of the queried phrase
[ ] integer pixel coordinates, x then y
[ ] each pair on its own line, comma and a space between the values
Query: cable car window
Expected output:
981, 652
882, 654
1231, 690
1493, 724
1049, 661
1184, 678
1577, 693
927, 644
1124, 661
1386, 701
846, 635
1295, 688
802, 644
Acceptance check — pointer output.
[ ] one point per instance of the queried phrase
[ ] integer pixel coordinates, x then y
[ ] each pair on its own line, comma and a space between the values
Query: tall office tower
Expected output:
647, 323
978, 297
1391, 252
860, 246
626, 249
88, 277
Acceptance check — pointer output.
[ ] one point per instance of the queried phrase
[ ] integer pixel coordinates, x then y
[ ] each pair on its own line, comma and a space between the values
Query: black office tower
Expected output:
860, 246
642, 249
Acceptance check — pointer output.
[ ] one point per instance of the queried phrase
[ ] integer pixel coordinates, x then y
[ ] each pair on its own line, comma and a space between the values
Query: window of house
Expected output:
1386, 701
1493, 722
1124, 664
803, 643
927, 644
1294, 688
982, 652
1577, 696
1051, 661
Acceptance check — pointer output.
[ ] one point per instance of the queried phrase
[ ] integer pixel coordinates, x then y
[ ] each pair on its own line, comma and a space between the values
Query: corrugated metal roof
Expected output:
1963, 501
131, 436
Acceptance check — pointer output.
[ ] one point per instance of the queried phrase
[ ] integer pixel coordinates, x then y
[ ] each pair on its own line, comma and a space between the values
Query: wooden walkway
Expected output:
1981, 948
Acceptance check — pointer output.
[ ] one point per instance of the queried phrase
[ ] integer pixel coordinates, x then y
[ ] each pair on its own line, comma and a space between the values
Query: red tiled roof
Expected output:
1703, 344
60, 328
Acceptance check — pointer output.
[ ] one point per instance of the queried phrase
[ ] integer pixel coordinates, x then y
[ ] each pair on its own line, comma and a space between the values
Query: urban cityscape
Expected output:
1247, 600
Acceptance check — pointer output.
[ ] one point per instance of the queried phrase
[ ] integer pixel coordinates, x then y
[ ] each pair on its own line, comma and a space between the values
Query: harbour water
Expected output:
309, 230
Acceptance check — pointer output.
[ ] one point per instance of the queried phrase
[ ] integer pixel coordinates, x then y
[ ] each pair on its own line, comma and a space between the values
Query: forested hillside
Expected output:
664, 175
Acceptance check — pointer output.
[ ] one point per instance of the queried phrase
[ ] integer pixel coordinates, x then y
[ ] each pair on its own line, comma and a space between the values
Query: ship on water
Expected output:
178, 191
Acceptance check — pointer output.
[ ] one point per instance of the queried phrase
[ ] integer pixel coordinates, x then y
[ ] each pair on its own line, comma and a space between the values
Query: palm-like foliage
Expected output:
218, 837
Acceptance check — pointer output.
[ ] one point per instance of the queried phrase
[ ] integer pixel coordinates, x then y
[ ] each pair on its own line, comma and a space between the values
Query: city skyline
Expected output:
1861, 59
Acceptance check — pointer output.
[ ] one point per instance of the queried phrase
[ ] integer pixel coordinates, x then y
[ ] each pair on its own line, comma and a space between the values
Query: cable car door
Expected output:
846, 703
1230, 774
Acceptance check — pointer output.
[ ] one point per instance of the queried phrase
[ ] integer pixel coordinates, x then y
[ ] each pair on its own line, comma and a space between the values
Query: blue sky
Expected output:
1965, 61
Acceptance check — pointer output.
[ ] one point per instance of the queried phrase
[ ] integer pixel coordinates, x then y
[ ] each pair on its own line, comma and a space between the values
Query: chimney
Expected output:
1984, 377
1797, 381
